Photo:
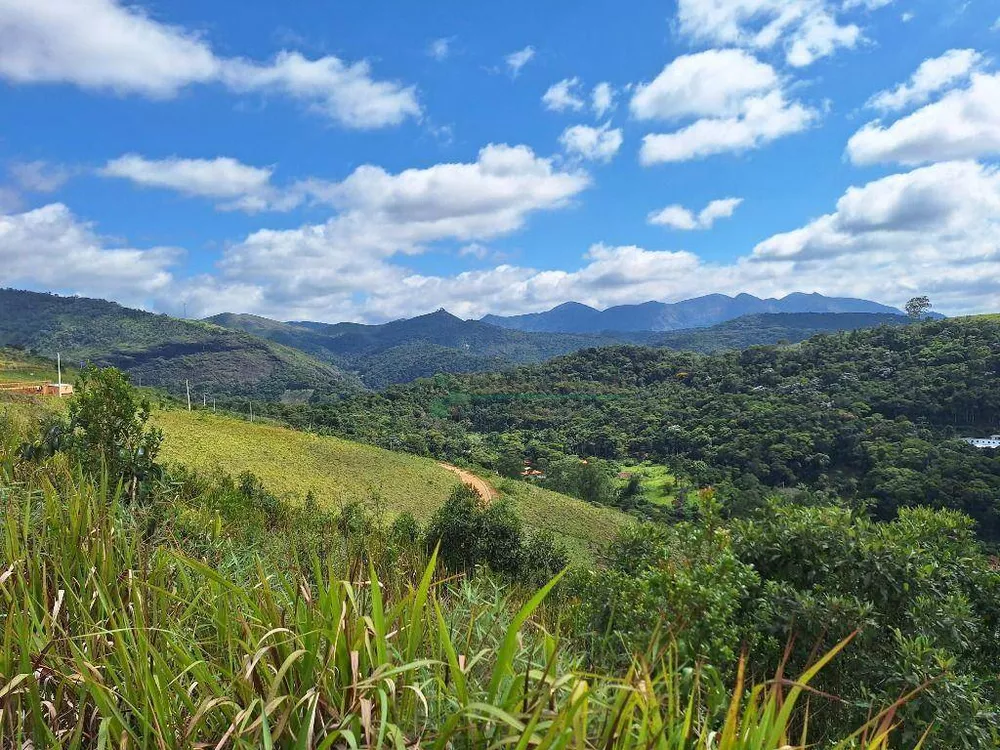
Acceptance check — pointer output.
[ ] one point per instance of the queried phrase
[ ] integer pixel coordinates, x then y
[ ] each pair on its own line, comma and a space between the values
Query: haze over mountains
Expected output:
573, 317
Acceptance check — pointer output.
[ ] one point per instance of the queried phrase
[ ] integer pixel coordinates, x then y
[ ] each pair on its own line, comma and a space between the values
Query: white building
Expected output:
993, 441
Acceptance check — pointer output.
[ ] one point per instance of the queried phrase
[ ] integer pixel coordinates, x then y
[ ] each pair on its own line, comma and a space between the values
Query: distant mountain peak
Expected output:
707, 310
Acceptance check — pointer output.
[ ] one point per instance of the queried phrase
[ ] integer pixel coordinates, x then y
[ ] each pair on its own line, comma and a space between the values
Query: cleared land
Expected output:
291, 463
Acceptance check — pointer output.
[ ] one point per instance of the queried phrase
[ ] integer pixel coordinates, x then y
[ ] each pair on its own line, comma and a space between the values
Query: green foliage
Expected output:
924, 596
143, 626
108, 428
470, 531
917, 307
681, 583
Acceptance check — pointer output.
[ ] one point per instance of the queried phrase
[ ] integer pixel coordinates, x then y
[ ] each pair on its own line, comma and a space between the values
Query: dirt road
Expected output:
478, 484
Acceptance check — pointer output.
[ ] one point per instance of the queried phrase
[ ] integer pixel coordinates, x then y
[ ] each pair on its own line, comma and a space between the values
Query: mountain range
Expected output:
573, 317
241, 355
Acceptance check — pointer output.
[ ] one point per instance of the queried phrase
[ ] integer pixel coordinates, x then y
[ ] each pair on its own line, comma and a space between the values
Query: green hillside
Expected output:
771, 328
292, 463
405, 350
161, 351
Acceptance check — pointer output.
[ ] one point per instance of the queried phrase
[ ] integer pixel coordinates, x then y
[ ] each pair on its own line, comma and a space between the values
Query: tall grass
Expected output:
145, 627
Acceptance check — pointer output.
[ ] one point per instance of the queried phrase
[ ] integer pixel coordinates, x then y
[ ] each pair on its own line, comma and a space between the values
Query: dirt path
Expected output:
478, 484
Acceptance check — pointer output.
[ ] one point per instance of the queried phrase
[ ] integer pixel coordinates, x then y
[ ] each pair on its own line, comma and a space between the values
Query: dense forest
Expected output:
870, 417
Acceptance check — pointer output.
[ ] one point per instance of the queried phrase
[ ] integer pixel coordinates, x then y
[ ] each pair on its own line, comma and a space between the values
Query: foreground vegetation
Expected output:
198, 611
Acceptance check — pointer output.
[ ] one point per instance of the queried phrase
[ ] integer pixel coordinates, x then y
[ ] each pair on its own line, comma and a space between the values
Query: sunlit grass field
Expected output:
338, 472
657, 481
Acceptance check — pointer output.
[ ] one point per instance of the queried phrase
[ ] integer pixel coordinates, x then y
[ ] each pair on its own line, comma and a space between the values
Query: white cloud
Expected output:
934, 230
595, 144
346, 93
49, 248
214, 178
808, 29
439, 49
328, 267
602, 99
715, 83
934, 75
517, 60
764, 119
39, 176
563, 95
678, 217
907, 17
963, 124
236, 186
739, 99
104, 45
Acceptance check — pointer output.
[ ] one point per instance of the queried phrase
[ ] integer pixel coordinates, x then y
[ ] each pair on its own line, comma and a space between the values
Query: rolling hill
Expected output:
572, 317
165, 352
773, 328
337, 471
405, 350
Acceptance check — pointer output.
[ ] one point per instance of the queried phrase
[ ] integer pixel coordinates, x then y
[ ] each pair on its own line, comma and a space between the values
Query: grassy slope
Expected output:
339, 471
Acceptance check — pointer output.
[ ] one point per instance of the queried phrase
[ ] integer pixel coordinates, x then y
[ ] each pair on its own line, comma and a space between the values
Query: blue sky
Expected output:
334, 160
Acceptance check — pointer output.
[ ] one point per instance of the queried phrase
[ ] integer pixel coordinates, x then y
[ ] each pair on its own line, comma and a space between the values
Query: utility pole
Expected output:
204, 400
59, 368
213, 406
187, 385
251, 411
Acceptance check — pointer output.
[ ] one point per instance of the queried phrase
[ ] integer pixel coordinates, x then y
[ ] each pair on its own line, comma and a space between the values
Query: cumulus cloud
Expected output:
222, 177
517, 60
679, 217
934, 230
563, 95
50, 248
737, 103
807, 29
105, 45
346, 93
763, 120
963, 124
715, 83
934, 75
594, 144
602, 99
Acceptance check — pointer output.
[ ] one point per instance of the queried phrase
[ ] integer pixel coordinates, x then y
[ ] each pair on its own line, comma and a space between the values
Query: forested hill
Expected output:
858, 415
404, 350
771, 328
162, 351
